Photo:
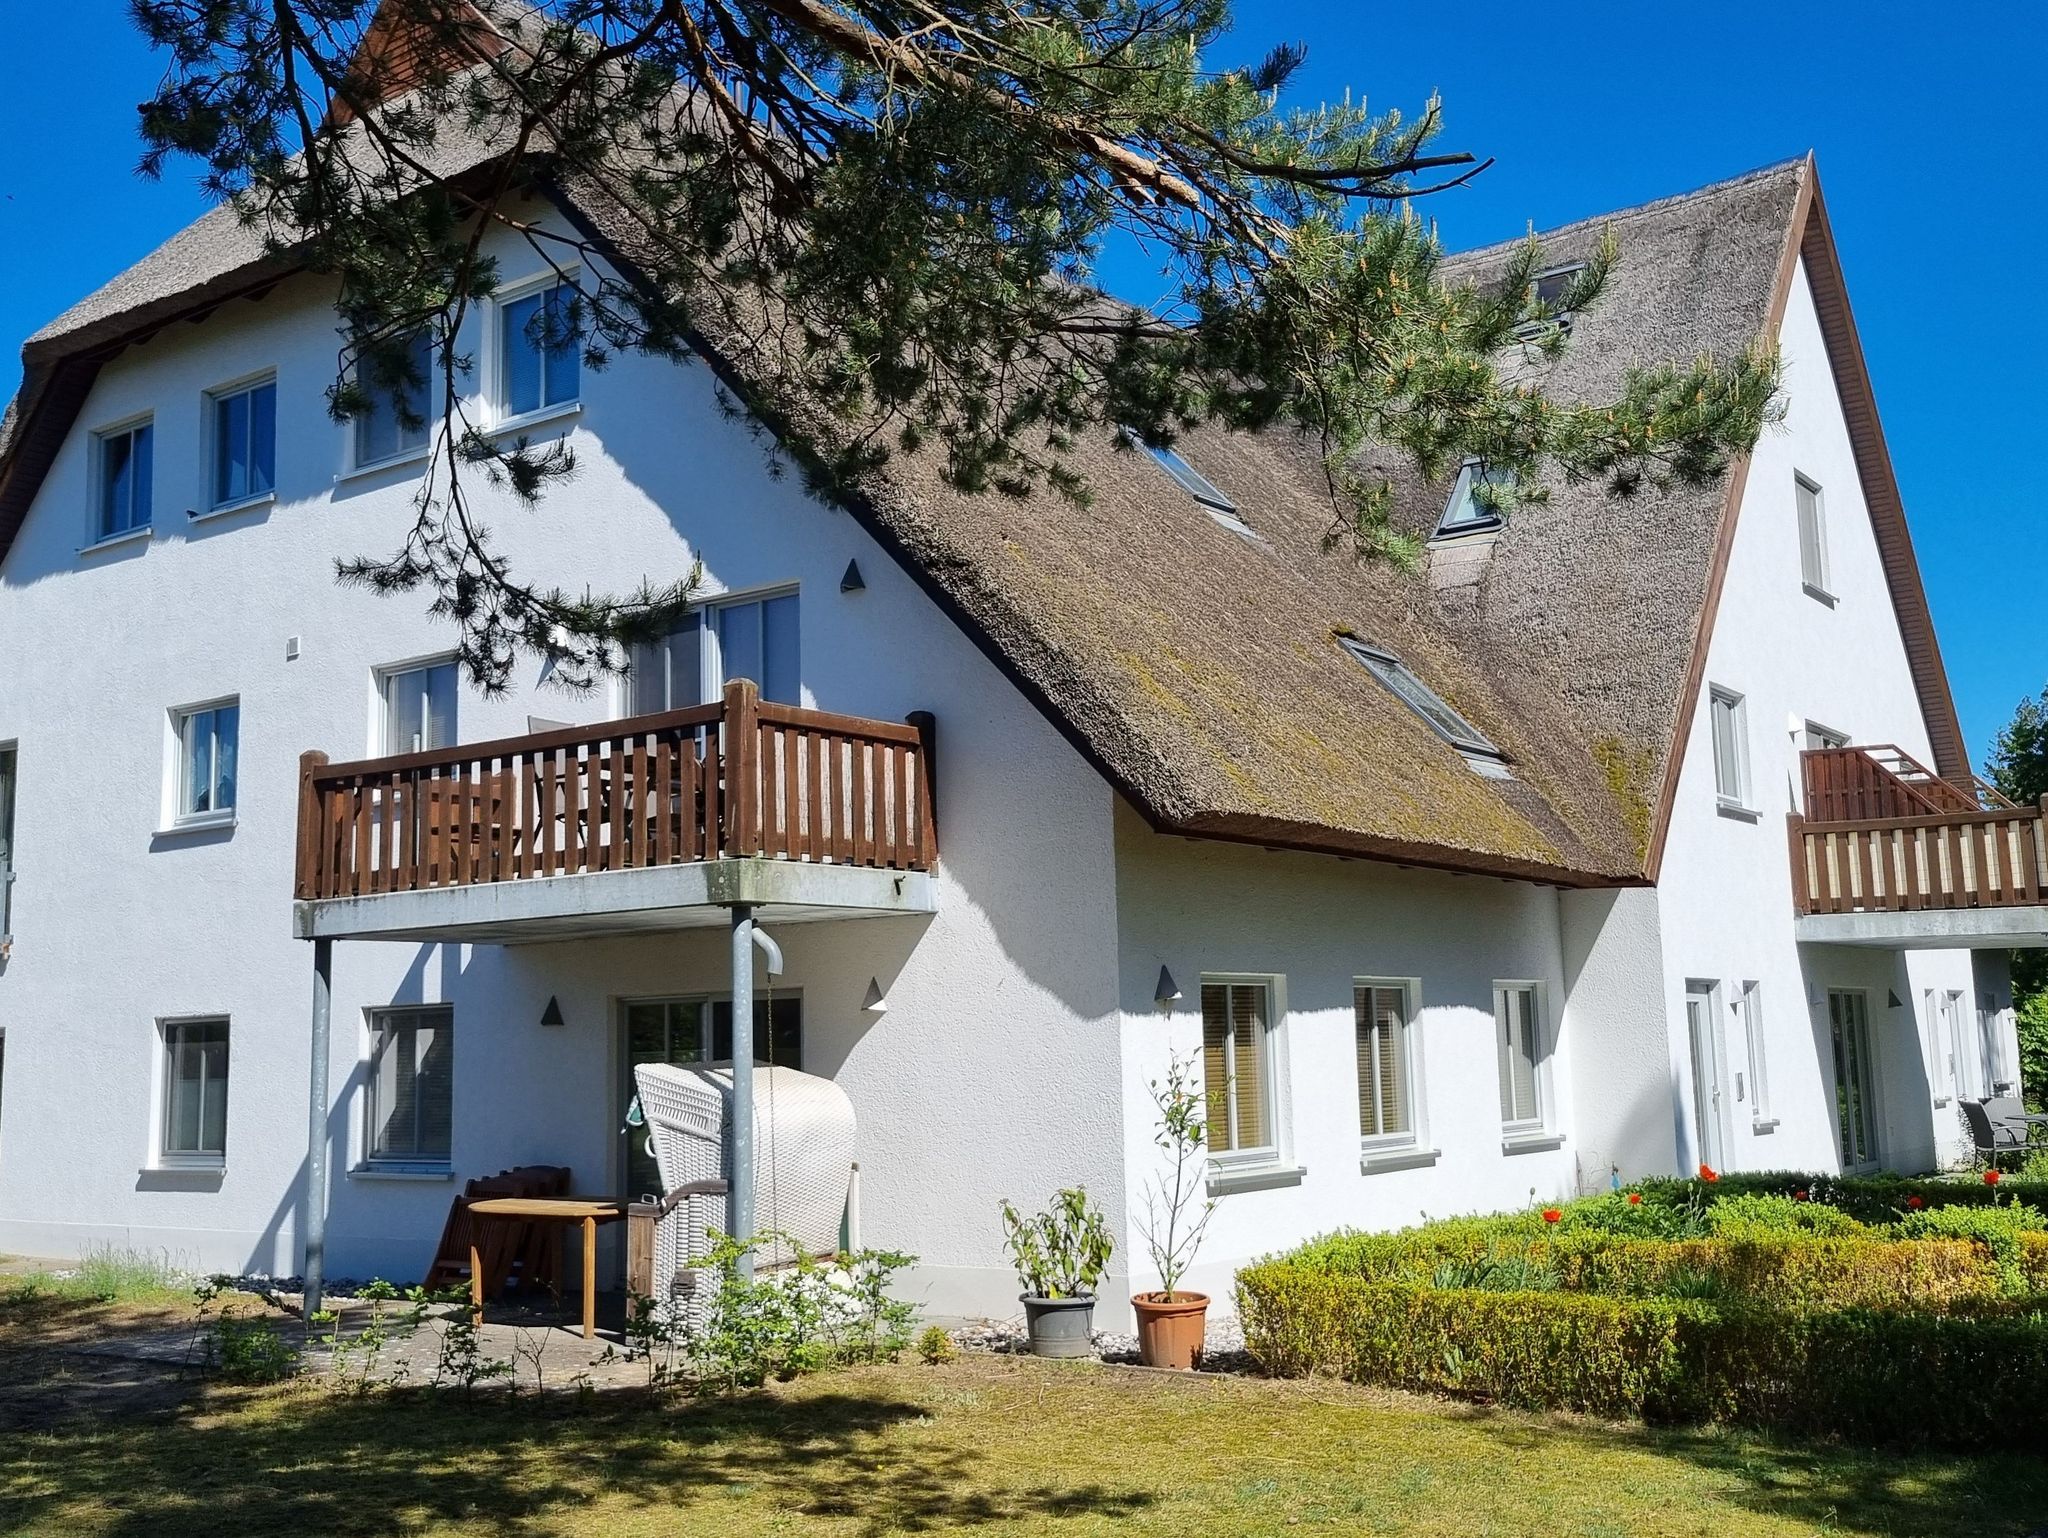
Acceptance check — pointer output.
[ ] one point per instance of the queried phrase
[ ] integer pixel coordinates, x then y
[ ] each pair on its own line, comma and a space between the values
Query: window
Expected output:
1518, 1034
195, 1091
1941, 1063
395, 423
539, 354
1813, 536
1960, 1068
7, 778
419, 708
1237, 1022
1749, 1005
746, 638
1553, 290
123, 471
675, 1031
1386, 1099
1731, 748
207, 741
1420, 698
411, 1086
244, 431
1467, 511
1990, 1049
1207, 495
1818, 736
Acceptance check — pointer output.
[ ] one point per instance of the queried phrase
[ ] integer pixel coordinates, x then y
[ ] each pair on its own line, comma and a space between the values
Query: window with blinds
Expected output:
1385, 1096
1236, 1065
411, 1086
1518, 1032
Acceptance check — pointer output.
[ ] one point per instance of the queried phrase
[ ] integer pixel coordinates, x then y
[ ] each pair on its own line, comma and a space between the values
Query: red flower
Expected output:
1992, 1177
1552, 1214
1799, 1196
1915, 1203
1635, 1198
1707, 1173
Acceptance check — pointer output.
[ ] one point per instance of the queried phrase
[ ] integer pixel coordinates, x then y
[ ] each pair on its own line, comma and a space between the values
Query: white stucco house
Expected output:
1599, 847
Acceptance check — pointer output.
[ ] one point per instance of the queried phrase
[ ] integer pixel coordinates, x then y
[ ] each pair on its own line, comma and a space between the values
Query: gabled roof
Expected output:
1199, 670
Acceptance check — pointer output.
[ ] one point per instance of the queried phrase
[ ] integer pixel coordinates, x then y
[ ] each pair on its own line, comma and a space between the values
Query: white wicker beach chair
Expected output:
803, 1166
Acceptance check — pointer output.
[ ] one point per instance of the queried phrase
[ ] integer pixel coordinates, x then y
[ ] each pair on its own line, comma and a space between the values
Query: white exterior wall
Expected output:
1314, 923
1726, 890
1011, 988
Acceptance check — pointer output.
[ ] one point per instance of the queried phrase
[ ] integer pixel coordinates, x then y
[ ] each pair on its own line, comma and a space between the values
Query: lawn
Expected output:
987, 1444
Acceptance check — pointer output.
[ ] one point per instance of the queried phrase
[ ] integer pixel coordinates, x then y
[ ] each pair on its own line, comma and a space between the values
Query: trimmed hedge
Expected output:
1866, 1198
1874, 1375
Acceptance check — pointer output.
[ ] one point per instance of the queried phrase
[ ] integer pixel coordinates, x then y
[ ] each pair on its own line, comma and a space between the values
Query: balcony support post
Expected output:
740, 1203
316, 1130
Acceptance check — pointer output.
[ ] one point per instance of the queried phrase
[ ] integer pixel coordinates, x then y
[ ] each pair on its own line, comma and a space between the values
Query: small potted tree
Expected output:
1172, 1324
1060, 1255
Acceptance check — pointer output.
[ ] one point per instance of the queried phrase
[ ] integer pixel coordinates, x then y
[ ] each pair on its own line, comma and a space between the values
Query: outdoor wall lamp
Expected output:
1167, 994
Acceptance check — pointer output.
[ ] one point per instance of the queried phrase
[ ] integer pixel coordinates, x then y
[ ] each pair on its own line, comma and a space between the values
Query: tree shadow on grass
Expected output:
1830, 1485
306, 1460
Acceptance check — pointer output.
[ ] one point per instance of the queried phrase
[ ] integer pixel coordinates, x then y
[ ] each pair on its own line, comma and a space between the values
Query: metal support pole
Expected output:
316, 1127
740, 1203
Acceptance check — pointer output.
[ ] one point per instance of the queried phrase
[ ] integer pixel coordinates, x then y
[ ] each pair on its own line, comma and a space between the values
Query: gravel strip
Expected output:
1222, 1351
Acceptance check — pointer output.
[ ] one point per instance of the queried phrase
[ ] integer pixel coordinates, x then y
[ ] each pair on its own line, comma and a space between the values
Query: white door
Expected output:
1855, 1079
1703, 1025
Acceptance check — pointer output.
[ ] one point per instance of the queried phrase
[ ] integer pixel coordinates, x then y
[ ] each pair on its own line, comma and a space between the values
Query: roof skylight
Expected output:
1401, 681
1195, 484
1466, 513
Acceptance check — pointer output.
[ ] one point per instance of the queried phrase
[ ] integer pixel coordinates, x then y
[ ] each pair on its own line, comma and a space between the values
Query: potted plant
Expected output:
1172, 1324
1059, 1255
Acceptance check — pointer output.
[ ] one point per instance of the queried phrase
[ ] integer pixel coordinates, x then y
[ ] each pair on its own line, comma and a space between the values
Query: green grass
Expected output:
107, 1273
993, 1445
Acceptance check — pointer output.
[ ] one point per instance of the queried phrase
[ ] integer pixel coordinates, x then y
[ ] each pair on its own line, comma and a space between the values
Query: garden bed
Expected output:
1757, 1302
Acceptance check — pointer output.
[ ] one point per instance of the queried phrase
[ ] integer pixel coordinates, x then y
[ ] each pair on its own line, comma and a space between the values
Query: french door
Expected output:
694, 1029
1703, 1025
1855, 1081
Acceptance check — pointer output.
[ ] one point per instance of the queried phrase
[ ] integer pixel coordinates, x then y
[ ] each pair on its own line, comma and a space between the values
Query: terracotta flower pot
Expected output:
1171, 1327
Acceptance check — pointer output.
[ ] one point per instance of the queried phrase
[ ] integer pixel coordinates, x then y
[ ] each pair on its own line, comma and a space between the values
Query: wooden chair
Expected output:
450, 1265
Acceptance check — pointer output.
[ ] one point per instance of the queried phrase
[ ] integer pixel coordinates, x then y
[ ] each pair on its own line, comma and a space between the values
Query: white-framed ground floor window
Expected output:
1383, 1018
1521, 1041
195, 1102
1240, 1070
409, 1094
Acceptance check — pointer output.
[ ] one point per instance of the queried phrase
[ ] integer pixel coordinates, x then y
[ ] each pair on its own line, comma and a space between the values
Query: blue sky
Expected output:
1931, 142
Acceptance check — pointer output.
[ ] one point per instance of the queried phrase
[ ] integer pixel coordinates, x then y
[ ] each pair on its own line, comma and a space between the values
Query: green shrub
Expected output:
1999, 1229
1869, 1199
1760, 1215
1626, 1214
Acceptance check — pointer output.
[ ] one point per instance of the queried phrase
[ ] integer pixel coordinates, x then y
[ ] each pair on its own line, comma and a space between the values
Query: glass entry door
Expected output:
695, 1030
1855, 1084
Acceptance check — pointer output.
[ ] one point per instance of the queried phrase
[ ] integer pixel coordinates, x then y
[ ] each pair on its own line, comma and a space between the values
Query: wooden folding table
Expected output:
589, 1211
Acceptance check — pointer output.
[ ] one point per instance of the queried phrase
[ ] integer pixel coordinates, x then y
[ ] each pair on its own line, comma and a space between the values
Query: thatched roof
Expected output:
1199, 670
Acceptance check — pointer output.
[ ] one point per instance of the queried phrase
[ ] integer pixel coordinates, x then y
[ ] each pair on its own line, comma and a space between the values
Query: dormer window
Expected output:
1467, 513
1197, 485
1400, 679
1552, 287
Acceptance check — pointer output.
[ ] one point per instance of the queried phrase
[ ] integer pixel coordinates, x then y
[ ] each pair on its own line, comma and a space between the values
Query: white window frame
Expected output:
10, 797
1432, 709
381, 680
1941, 1065
1815, 579
1270, 1156
1961, 1073
1748, 1004
1482, 520
209, 448
353, 428
1738, 801
710, 661
498, 334
374, 1024
96, 480
176, 789
1538, 1131
1373, 1147
168, 1028
1814, 736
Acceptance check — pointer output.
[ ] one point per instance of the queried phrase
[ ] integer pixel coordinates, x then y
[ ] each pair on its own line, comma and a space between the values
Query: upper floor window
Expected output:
195, 1118
1731, 748
395, 422
208, 742
419, 707
1423, 700
243, 425
7, 778
1813, 536
1519, 1037
1469, 510
733, 638
1818, 736
539, 352
122, 471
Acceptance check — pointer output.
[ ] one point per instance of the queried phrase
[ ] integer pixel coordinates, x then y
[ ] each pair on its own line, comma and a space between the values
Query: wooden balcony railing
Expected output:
737, 778
1876, 841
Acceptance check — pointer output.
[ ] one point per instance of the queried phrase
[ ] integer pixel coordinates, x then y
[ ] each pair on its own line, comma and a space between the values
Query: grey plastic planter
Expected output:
1061, 1327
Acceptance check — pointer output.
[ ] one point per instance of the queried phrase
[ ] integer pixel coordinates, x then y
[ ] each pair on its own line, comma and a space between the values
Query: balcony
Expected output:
648, 823
1888, 853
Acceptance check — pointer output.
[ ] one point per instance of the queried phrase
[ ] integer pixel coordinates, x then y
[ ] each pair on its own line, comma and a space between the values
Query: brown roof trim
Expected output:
1809, 237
